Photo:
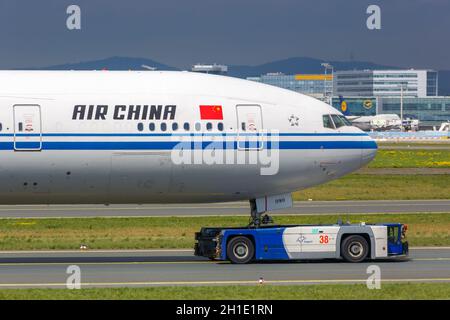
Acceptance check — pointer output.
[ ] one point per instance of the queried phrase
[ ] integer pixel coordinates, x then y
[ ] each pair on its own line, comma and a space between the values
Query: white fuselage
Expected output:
80, 137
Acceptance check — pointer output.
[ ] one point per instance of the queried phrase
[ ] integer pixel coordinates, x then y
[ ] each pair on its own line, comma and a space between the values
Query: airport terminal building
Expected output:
371, 92
315, 85
386, 83
431, 111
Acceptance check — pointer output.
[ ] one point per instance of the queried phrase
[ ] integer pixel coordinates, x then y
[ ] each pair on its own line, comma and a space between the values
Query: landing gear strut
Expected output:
257, 218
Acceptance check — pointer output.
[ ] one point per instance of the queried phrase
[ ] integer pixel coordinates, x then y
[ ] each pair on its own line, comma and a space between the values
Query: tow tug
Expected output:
351, 242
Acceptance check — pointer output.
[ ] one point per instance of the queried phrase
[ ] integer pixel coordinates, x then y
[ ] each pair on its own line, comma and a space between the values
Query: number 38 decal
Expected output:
324, 239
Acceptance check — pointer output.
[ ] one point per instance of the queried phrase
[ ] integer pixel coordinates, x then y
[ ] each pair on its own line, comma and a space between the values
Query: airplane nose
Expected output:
369, 150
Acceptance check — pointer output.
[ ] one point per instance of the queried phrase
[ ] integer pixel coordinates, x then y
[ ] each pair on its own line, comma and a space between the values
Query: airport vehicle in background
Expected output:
103, 137
384, 122
445, 126
352, 242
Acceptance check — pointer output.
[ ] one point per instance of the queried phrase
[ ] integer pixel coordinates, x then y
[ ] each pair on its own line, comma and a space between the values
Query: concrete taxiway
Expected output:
179, 267
232, 208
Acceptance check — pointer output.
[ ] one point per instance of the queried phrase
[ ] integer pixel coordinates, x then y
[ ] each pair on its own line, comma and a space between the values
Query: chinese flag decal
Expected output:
211, 113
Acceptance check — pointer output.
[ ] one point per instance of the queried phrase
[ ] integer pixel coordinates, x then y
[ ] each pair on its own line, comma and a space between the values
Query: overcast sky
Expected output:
415, 33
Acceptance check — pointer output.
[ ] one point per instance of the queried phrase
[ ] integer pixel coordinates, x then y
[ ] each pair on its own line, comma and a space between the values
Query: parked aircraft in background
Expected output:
383, 122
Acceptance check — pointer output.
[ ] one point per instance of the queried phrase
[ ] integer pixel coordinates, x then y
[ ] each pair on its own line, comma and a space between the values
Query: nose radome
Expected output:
369, 150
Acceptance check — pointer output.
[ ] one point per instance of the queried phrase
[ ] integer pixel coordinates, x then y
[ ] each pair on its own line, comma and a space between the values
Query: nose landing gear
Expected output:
258, 218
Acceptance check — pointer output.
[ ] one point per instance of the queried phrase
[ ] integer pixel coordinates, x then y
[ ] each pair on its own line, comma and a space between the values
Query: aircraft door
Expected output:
250, 125
27, 128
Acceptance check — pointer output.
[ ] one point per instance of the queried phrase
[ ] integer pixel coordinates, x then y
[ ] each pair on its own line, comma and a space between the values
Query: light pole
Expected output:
402, 87
328, 89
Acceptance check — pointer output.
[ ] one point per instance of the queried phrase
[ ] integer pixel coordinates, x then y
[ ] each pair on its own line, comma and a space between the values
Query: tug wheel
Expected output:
240, 250
354, 248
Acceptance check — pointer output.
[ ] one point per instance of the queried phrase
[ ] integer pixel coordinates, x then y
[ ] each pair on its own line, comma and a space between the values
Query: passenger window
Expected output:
174, 126
209, 126
1, 127
151, 126
220, 126
186, 126
163, 126
198, 126
327, 123
338, 122
140, 126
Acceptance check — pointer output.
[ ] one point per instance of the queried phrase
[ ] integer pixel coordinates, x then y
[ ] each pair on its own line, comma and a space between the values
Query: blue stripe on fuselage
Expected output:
169, 145
213, 134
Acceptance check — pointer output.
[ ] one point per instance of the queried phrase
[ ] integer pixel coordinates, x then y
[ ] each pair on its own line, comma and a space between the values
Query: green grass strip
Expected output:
417, 158
427, 229
380, 187
389, 291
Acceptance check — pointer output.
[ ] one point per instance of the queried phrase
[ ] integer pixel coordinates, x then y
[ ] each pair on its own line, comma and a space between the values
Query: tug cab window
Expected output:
327, 123
393, 233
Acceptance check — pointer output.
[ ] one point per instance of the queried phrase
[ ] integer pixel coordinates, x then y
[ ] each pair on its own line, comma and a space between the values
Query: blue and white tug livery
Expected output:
351, 242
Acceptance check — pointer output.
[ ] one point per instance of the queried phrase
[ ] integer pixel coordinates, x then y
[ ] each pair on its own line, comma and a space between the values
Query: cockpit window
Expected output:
338, 122
334, 121
346, 121
327, 123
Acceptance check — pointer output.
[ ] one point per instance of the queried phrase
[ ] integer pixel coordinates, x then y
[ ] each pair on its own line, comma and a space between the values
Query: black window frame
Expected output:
330, 121
347, 122
337, 124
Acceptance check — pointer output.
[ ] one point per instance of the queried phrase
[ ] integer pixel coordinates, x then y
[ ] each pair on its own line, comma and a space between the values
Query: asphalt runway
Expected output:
224, 209
179, 267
